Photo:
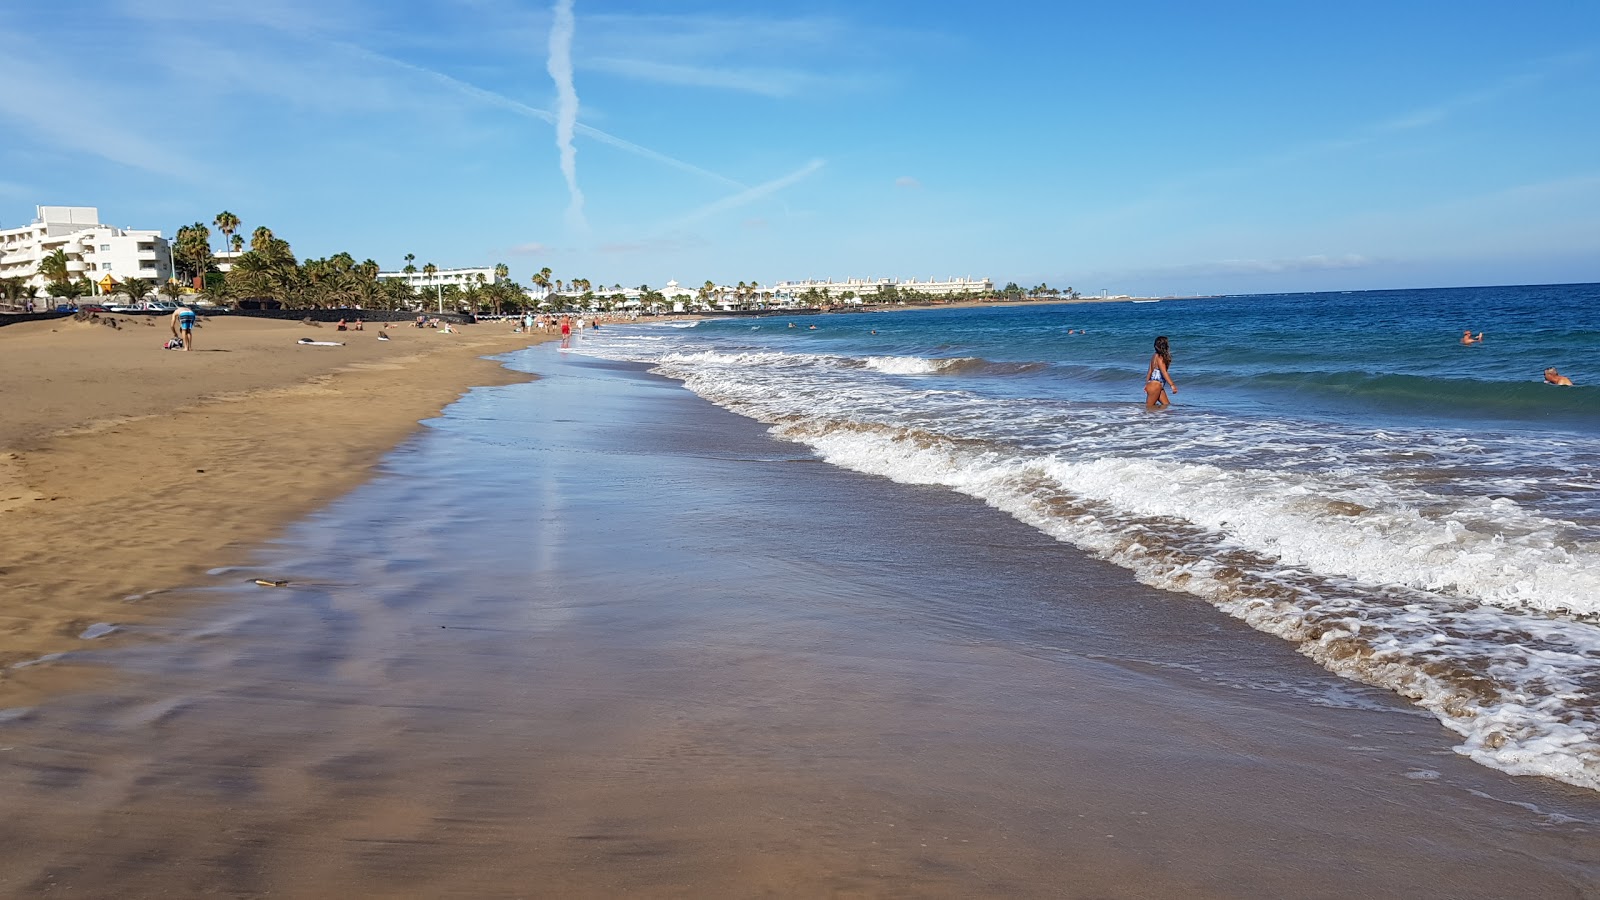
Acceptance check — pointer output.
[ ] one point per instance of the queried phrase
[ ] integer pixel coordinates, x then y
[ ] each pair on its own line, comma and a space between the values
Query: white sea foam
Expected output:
913, 365
1370, 549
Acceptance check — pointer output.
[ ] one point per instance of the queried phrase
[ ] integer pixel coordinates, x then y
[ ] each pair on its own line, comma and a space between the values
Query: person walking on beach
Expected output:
183, 326
1467, 338
1551, 376
1158, 381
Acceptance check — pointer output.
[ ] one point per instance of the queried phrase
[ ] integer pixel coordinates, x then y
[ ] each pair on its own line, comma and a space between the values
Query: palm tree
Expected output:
54, 267
136, 289
261, 238
193, 247
411, 264
473, 292
501, 271
227, 223
429, 270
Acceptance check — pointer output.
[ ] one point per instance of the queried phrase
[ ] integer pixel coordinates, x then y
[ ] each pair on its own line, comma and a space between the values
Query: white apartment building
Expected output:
442, 277
864, 287
94, 251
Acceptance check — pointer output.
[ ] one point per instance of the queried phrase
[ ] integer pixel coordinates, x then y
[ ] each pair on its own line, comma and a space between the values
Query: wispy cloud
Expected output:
501, 101
671, 244
764, 81
293, 82
750, 195
58, 109
1538, 73
1313, 263
531, 248
560, 68
906, 181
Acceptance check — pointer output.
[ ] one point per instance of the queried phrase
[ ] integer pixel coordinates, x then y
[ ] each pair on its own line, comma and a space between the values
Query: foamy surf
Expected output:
1459, 569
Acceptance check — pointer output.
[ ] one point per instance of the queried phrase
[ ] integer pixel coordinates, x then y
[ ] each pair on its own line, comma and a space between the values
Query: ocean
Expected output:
1337, 469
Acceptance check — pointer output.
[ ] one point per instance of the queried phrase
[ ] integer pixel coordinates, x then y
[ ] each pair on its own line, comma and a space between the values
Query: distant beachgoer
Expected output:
360, 325
791, 324
1551, 376
422, 321
1467, 338
1158, 380
566, 327
527, 322
183, 326
343, 326
812, 328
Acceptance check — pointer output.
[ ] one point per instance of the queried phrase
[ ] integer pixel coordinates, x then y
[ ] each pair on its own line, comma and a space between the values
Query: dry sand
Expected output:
127, 469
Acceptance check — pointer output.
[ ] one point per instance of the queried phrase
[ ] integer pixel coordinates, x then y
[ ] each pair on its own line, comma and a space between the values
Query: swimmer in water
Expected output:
1158, 381
1551, 376
1467, 338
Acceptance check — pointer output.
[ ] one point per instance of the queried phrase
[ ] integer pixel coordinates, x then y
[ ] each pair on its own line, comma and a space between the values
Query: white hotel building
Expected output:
93, 250
863, 288
442, 277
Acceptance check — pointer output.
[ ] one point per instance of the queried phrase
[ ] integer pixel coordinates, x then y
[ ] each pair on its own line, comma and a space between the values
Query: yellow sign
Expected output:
107, 283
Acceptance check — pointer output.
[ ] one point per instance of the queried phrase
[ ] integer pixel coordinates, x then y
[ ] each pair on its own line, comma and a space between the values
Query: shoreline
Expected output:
128, 471
616, 676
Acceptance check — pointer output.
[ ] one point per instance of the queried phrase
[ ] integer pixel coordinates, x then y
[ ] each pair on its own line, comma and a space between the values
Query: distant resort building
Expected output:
103, 255
441, 277
784, 293
861, 288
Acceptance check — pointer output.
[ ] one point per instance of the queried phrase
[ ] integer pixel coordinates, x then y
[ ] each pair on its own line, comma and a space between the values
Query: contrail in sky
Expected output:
750, 195
560, 66
533, 112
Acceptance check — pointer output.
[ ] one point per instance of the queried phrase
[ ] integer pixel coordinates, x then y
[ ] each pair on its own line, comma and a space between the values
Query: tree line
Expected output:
269, 274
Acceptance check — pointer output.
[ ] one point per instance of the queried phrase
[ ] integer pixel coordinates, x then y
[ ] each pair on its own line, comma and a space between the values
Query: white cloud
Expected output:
906, 181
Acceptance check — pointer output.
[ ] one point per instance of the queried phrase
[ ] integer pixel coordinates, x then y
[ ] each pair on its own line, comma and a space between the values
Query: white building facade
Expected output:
94, 251
442, 277
865, 287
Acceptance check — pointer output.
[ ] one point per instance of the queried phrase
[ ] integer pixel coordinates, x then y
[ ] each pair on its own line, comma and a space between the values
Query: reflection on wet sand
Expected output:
545, 655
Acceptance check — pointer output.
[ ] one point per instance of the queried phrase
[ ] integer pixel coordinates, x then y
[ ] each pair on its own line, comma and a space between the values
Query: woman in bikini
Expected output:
1158, 381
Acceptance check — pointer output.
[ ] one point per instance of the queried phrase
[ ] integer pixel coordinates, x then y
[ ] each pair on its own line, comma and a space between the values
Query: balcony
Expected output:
76, 266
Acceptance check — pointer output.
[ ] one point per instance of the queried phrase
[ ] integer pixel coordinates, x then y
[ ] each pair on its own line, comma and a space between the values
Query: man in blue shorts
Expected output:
183, 326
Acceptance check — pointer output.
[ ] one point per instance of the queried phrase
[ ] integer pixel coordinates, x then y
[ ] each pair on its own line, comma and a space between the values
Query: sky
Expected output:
1136, 147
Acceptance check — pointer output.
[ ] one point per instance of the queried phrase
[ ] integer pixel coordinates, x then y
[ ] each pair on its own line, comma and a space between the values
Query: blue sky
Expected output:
1145, 147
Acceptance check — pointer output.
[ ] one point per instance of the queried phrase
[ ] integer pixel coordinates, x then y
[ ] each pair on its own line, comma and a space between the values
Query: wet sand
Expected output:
632, 646
127, 470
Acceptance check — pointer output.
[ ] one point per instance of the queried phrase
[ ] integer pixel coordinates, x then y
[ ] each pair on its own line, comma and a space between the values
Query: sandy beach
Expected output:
127, 469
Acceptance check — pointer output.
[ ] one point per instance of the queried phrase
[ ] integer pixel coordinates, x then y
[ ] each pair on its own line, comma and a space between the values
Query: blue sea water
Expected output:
1337, 469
